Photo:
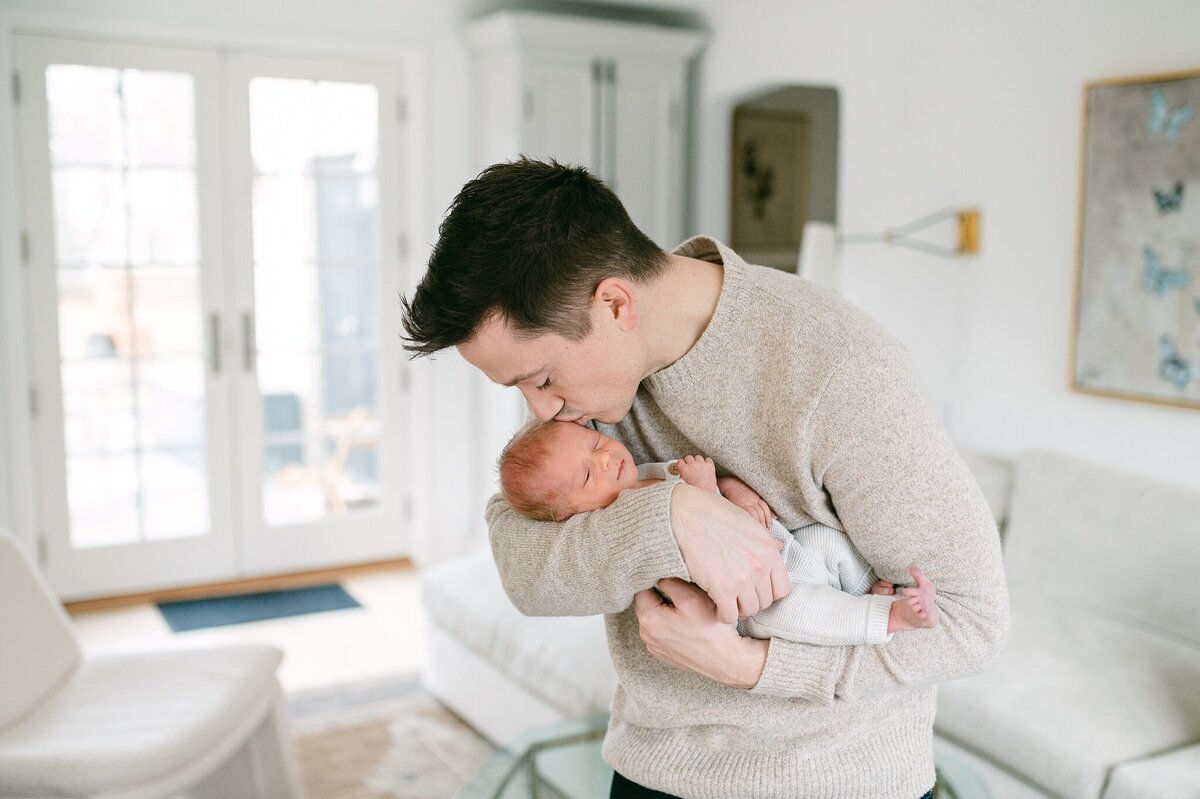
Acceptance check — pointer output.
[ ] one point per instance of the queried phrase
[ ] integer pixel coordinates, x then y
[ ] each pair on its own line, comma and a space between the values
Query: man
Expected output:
542, 282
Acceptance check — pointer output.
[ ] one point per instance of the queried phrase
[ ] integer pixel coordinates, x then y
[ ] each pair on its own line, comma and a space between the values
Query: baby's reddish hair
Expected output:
521, 471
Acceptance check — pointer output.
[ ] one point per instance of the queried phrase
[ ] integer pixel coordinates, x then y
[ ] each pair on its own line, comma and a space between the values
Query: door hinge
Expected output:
408, 508
403, 245
401, 110
527, 103
41, 547
405, 380
25, 253
34, 402
16, 87
674, 114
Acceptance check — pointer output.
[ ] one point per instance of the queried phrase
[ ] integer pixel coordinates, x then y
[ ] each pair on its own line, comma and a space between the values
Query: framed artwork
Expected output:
770, 187
1137, 290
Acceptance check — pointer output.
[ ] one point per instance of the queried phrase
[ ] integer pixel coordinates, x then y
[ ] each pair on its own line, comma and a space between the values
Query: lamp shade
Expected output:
820, 255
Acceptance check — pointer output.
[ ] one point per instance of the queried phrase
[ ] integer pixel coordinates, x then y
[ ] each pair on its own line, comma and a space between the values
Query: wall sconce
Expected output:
820, 252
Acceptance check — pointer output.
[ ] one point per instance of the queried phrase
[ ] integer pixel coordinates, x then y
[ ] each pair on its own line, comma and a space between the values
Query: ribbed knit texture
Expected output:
814, 406
828, 604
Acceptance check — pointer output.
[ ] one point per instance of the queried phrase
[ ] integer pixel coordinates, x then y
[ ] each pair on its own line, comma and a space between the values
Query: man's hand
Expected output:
746, 498
727, 554
687, 635
699, 471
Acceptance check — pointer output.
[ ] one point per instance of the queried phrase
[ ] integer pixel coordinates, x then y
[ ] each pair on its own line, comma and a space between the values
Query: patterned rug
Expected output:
381, 739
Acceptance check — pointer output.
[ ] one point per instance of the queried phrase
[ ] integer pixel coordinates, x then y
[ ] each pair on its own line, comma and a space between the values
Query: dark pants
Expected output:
624, 789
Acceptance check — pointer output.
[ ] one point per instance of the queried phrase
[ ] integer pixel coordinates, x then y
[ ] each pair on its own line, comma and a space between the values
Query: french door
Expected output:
214, 256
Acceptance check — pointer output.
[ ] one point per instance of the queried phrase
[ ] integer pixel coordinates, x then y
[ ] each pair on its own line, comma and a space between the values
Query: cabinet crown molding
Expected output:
530, 30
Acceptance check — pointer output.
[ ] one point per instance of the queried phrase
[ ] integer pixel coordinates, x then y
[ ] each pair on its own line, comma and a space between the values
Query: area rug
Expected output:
196, 614
382, 739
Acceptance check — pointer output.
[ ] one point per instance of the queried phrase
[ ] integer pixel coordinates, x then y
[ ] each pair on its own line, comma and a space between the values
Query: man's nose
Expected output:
544, 406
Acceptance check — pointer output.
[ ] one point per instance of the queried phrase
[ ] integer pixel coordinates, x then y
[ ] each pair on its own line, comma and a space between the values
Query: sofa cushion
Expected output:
39, 651
994, 476
128, 720
563, 660
1119, 544
1175, 775
1073, 695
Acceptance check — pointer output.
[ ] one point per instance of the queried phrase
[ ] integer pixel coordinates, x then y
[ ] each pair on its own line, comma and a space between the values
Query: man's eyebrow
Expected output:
519, 378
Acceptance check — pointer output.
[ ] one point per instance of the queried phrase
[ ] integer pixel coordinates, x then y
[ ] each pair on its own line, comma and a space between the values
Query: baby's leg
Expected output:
916, 609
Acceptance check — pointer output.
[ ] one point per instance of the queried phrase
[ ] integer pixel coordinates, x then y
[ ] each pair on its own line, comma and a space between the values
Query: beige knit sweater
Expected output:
816, 407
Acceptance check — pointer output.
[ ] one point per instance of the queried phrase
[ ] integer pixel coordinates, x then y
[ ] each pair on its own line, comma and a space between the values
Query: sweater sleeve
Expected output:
591, 563
905, 498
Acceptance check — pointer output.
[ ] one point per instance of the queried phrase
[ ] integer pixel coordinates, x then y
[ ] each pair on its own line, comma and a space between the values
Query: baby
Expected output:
553, 470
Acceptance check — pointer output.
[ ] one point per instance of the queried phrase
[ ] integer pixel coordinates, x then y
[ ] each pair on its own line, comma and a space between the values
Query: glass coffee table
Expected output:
558, 762
563, 762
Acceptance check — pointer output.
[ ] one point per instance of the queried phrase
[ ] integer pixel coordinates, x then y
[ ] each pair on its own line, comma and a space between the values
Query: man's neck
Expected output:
675, 309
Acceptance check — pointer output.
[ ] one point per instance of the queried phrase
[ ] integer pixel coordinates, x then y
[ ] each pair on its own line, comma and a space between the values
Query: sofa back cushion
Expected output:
37, 648
1119, 544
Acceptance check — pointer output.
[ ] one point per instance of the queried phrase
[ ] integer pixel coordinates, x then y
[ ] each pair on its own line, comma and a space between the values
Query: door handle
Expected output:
214, 342
248, 345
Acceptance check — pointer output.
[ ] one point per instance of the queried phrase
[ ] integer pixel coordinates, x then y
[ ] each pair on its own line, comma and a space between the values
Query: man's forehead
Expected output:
507, 358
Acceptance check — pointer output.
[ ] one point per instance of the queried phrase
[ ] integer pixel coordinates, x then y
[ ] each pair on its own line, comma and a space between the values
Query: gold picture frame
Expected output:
771, 172
1135, 332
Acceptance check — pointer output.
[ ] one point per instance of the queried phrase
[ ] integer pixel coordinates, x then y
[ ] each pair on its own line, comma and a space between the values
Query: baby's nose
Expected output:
605, 459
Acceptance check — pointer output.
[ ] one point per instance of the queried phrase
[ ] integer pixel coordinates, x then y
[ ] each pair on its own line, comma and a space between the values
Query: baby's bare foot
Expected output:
917, 610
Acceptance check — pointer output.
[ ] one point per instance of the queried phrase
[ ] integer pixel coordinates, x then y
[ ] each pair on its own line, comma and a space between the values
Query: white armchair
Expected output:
190, 724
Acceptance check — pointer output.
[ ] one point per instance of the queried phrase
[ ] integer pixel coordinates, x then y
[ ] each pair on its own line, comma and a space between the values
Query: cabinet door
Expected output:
560, 111
645, 126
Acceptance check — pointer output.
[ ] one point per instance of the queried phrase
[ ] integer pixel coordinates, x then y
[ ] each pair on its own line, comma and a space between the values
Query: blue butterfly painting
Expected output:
1166, 120
1172, 368
1157, 278
1169, 201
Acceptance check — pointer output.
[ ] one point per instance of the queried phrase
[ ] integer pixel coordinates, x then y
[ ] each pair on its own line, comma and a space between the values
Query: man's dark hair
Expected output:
530, 241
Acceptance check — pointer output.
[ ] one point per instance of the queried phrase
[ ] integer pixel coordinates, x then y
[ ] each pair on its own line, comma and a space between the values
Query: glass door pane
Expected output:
315, 226
123, 171
317, 272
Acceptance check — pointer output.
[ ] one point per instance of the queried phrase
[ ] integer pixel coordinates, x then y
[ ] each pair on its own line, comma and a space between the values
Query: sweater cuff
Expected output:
801, 671
877, 618
642, 527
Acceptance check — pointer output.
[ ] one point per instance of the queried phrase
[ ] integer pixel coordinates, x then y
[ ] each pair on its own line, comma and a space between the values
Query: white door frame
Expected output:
145, 565
380, 535
353, 538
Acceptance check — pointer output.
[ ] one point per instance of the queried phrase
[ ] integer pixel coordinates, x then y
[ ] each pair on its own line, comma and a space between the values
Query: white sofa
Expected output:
1097, 695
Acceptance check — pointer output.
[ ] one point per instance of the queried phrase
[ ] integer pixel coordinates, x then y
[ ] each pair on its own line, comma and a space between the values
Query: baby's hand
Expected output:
699, 471
747, 499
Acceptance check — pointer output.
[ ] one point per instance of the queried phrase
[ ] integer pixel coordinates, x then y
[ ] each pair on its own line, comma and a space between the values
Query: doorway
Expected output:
212, 239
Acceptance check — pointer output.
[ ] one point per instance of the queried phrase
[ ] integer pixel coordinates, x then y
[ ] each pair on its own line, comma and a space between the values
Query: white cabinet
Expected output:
607, 95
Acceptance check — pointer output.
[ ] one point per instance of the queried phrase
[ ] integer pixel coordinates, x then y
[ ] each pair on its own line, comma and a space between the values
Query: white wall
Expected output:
425, 38
948, 102
943, 102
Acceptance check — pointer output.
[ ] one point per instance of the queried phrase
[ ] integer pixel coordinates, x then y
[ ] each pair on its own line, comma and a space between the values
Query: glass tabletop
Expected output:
561, 761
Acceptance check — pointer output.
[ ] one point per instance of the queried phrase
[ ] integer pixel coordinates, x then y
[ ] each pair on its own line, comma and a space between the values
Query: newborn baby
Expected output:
553, 470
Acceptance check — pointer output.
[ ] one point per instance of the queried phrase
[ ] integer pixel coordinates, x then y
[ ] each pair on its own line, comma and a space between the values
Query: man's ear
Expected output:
617, 299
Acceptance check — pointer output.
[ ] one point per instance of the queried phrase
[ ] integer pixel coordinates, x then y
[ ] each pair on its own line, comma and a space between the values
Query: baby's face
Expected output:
586, 469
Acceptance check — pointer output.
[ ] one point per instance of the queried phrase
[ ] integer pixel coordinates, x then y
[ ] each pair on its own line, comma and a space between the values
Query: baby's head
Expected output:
552, 470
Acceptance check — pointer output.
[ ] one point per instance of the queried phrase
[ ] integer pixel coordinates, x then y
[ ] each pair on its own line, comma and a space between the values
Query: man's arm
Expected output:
595, 562
591, 563
905, 498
